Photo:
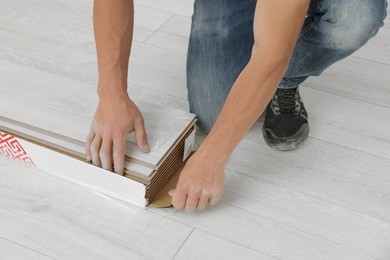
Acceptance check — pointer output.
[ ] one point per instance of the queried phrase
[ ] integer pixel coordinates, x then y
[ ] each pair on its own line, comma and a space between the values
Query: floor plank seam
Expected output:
244, 246
26, 247
68, 22
165, 49
178, 250
307, 85
55, 18
167, 217
158, 29
351, 148
356, 56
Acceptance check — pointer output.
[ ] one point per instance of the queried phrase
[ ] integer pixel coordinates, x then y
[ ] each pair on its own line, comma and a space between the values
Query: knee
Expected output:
220, 18
207, 21
353, 23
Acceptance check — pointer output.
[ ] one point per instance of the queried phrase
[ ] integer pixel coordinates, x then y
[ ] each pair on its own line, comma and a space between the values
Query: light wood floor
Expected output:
328, 200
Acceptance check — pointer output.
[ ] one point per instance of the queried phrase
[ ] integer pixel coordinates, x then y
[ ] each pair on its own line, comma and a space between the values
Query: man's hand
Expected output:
115, 117
201, 183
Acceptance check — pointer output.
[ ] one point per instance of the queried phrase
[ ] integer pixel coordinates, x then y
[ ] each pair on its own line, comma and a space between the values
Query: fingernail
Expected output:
146, 148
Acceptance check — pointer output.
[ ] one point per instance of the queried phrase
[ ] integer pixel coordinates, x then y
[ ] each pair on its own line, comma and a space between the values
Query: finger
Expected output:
140, 135
191, 202
105, 154
118, 155
214, 200
95, 148
89, 140
179, 199
202, 203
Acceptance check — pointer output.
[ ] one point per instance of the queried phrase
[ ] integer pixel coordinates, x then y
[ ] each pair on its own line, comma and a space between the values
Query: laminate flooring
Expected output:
330, 199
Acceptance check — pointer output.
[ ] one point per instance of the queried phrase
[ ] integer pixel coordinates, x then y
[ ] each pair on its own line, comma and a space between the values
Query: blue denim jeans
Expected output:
221, 42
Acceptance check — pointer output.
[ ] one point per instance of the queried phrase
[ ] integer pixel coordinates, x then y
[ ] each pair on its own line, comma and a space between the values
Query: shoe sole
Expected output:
287, 143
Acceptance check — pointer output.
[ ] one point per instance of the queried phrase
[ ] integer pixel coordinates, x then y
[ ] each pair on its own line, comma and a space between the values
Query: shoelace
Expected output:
284, 101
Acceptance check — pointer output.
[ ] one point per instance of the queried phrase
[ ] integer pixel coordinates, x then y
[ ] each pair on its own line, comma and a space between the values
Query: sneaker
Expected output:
286, 124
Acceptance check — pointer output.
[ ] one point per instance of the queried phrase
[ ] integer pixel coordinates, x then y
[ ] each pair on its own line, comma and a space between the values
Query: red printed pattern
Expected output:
9, 146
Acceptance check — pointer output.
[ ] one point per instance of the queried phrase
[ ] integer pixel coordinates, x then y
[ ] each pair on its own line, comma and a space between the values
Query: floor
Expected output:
328, 200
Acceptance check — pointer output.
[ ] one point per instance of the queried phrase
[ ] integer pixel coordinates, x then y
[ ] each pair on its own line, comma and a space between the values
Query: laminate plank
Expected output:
79, 13
201, 245
365, 234
68, 50
313, 190
378, 48
66, 221
181, 7
73, 103
348, 122
355, 78
333, 173
263, 235
11, 251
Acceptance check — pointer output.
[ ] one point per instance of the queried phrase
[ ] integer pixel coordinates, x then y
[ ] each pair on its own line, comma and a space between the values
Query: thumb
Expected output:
141, 137
170, 193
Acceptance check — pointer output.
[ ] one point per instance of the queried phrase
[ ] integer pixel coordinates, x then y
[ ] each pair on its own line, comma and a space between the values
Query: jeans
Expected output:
221, 42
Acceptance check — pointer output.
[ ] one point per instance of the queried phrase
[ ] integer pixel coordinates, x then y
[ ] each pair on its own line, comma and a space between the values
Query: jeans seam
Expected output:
306, 33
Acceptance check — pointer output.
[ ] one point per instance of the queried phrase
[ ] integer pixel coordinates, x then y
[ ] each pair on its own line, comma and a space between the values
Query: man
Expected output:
241, 52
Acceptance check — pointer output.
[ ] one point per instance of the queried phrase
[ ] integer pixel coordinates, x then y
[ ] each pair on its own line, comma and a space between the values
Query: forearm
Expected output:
113, 27
246, 101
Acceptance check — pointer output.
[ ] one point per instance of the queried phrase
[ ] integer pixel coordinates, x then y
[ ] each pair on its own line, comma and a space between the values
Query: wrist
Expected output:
210, 154
112, 89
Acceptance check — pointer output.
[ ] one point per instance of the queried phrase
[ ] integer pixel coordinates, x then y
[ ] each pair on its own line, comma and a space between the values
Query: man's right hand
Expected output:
115, 117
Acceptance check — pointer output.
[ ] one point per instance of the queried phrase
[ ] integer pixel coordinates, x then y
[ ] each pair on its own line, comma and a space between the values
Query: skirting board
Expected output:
73, 170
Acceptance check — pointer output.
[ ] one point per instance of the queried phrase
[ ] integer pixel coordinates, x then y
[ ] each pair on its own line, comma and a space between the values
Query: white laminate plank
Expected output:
325, 190
65, 221
356, 78
69, 50
75, 12
264, 235
330, 172
378, 48
79, 13
201, 245
181, 7
365, 234
68, 110
47, 44
348, 122
13, 251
